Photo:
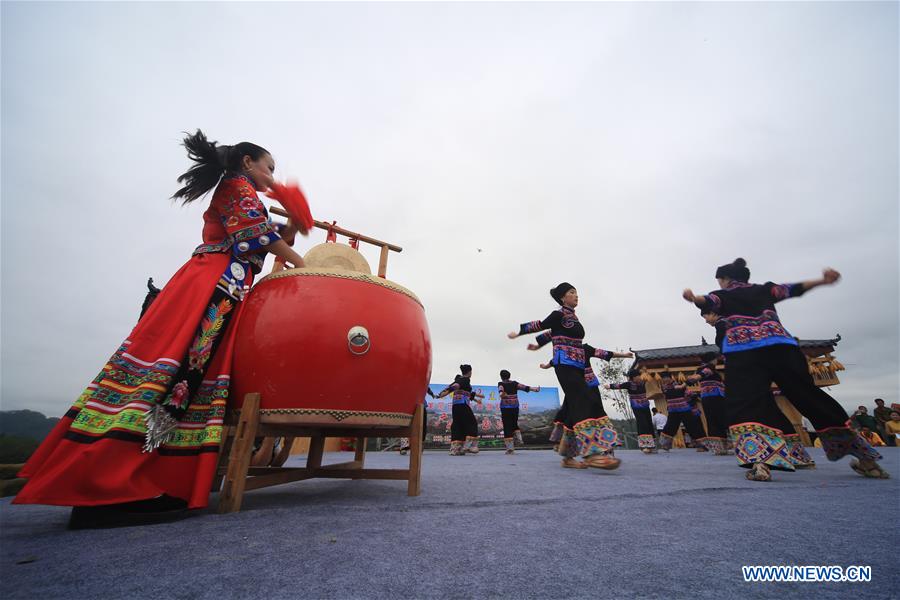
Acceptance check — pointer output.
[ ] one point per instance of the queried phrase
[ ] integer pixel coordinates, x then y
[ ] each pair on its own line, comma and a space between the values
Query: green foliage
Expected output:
16, 449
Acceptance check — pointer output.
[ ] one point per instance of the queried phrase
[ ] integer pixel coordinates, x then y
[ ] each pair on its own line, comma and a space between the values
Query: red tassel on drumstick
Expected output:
294, 202
291, 197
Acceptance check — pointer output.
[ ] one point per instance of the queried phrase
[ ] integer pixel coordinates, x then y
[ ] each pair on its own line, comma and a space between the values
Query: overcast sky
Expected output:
626, 148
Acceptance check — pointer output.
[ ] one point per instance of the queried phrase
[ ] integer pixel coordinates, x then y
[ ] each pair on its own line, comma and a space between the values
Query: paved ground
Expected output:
676, 525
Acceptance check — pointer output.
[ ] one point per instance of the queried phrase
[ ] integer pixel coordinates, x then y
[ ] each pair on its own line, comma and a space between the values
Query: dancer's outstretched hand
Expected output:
688, 295
512, 335
533, 346
545, 365
830, 275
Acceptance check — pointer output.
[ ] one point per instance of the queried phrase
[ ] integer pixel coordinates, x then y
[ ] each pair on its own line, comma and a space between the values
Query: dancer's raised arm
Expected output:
536, 326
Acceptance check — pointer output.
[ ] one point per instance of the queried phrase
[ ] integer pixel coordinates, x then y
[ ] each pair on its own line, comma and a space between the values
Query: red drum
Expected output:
332, 347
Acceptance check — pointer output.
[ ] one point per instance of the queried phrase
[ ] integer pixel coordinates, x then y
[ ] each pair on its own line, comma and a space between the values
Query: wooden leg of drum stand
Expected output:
285, 452
263, 456
415, 452
239, 458
316, 450
224, 452
359, 457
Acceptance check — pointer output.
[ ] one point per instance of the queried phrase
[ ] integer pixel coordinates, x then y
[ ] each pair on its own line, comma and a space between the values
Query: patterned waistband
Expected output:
708, 387
460, 397
678, 405
568, 355
746, 333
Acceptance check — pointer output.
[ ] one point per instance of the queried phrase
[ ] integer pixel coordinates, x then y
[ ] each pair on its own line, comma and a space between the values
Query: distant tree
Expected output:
614, 372
26, 423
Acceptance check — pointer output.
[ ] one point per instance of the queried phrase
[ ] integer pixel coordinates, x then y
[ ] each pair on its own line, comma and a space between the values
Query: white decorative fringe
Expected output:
160, 427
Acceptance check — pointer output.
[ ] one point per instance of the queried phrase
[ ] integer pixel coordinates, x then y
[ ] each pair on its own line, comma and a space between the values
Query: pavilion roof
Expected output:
695, 351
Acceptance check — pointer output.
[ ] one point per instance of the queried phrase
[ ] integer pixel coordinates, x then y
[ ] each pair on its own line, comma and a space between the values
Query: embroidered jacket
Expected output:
710, 382
590, 378
510, 396
637, 393
747, 313
236, 222
676, 401
566, 333
461, 389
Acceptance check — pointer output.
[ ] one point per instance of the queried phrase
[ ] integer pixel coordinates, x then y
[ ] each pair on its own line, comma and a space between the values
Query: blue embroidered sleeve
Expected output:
450, 388
543, 339
254, 245
602, 354
535, 326
710, 302
782, 291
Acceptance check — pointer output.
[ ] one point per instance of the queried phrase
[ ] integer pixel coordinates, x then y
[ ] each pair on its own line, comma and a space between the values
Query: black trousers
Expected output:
464, 423
510, 418
580, 402
748, 378
561, 413
691, 424
780, 420
716, 411
644, 421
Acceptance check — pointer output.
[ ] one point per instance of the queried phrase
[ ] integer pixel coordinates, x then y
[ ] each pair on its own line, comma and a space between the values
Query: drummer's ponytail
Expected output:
212, 161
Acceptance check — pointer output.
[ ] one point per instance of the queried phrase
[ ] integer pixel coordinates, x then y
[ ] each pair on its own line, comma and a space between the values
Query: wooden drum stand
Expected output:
243, 426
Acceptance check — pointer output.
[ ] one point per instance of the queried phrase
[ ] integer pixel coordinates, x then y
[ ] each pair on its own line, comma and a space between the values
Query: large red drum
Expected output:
332, 347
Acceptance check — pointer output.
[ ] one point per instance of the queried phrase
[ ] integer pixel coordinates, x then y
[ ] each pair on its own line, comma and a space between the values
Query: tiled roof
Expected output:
693, 351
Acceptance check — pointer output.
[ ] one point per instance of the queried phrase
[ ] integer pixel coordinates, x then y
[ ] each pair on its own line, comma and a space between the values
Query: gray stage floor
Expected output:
676, 525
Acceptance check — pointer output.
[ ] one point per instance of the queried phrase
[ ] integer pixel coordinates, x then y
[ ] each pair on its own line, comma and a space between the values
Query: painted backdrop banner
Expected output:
536, 412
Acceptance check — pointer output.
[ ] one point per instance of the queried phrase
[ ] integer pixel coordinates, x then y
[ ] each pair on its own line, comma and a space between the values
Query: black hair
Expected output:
465, 369
559, 291
504, 374
709, 357
736, 270
212, 161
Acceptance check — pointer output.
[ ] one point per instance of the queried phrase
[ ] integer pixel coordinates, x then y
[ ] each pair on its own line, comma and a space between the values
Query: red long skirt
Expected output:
94, 455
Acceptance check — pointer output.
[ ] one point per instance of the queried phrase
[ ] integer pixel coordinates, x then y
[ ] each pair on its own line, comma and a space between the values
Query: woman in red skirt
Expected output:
144, 436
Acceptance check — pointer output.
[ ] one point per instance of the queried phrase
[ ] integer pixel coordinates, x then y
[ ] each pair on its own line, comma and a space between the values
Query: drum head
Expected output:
336, 256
